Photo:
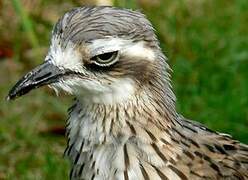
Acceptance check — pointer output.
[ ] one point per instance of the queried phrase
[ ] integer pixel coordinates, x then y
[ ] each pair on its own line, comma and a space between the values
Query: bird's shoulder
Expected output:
210, 154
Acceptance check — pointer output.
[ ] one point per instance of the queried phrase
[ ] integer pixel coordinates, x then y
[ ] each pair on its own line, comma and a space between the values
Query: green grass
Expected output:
25, 22
207, 45
26, 152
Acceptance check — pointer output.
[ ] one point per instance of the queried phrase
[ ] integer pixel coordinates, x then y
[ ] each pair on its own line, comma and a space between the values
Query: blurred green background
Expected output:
207, 45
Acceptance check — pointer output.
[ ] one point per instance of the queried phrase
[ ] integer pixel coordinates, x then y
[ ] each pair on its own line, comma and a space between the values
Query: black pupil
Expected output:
105, 56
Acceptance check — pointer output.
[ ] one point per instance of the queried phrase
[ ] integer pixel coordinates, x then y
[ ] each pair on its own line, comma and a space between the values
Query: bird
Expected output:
123, 124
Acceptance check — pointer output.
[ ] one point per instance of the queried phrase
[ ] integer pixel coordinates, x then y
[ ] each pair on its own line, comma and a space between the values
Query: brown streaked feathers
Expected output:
123, 124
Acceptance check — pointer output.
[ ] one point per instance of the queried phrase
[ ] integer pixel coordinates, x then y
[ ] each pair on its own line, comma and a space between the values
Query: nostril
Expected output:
43, 76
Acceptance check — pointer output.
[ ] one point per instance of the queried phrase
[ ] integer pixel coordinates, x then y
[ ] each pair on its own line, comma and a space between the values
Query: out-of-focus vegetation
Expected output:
207, 45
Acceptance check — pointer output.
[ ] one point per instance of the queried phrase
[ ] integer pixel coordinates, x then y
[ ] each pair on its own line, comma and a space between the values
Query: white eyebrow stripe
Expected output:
100, 46
140, 51
126, 47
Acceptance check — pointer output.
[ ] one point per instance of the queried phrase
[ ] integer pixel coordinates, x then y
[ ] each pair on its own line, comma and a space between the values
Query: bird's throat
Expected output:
104, 129
99, 123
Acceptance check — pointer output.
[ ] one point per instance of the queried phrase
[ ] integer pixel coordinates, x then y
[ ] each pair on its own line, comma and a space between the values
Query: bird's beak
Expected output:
44, 74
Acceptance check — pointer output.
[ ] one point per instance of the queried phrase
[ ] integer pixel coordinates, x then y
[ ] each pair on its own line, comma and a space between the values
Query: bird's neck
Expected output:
98, 123
98, 130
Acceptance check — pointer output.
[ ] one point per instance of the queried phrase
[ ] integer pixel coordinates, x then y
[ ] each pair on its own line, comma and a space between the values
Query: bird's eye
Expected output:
105, 59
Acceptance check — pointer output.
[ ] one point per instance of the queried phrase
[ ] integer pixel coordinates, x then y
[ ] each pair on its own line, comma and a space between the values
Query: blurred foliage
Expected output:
205, 40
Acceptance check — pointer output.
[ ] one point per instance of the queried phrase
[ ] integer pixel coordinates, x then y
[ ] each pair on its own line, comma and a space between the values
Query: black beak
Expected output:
44, 74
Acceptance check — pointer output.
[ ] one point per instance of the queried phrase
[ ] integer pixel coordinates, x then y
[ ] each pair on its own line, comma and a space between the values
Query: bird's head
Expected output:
99, 54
